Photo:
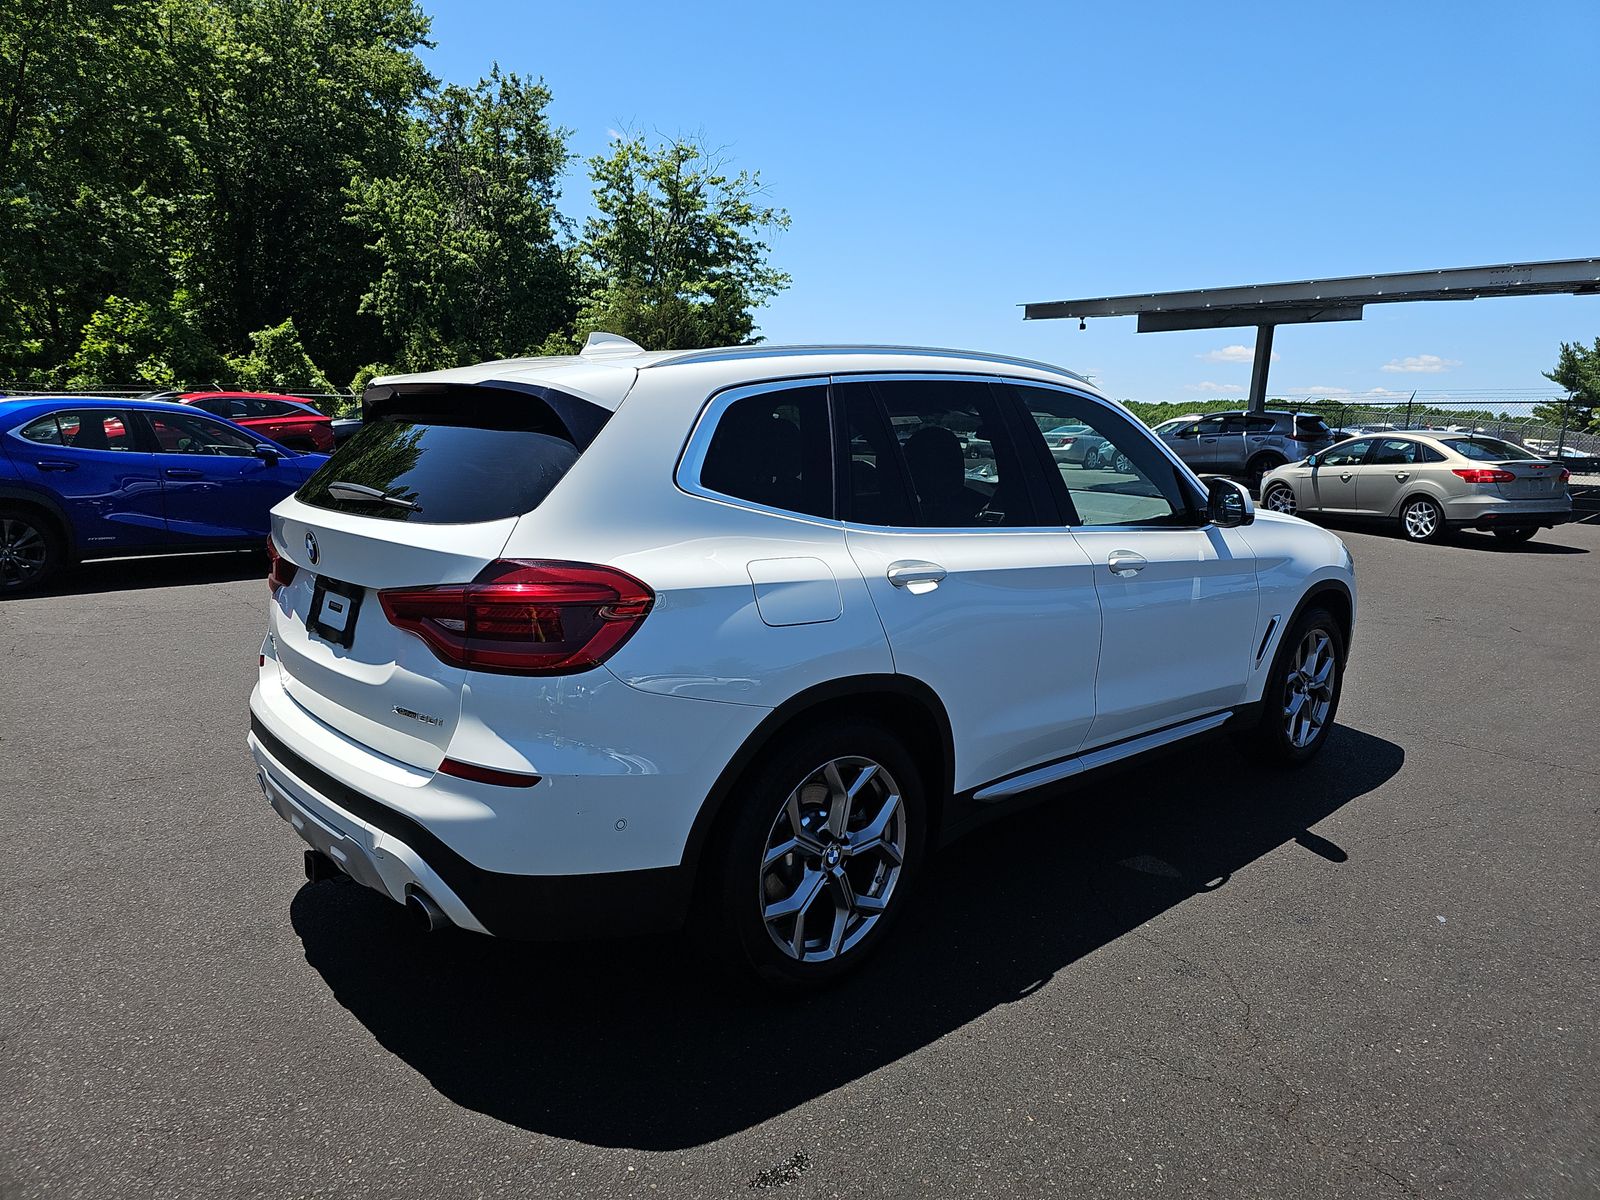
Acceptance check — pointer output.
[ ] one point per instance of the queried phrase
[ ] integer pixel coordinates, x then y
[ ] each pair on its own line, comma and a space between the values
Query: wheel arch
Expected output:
1333, 595
905, 704
15, 497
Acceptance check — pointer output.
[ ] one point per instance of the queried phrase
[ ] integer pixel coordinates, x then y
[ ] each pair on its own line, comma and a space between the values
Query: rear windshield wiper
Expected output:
340, 490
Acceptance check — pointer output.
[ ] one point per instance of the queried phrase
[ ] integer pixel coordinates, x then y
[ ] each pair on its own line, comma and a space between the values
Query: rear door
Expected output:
462, 478
1387, 473
89, 458
983, 597
1197, 444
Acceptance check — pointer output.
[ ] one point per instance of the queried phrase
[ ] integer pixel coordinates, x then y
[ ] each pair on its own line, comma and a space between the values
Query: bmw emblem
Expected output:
311, 547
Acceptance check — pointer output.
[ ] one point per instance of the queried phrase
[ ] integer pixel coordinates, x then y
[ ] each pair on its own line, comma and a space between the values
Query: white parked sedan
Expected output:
611, 642
1428, 483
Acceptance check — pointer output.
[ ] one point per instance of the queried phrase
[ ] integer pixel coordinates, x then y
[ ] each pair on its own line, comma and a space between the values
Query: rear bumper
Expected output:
386, 850
1513, 518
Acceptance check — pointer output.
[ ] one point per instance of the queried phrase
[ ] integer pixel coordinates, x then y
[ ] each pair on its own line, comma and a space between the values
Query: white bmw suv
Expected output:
737, 637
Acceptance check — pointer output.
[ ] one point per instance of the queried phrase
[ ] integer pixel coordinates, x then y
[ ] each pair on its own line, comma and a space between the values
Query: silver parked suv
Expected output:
1246, 444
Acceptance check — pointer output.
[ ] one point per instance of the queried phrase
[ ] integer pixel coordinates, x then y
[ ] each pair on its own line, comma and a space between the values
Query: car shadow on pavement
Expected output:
156, 571
635, 1044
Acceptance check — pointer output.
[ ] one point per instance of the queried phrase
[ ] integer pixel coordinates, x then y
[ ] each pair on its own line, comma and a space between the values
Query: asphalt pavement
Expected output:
1376, 977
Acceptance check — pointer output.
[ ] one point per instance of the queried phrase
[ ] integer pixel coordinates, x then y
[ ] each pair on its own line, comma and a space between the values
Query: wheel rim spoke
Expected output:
811, 851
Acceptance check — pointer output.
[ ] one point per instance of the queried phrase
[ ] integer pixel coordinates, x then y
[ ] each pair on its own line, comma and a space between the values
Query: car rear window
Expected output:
437, 462
1311, 424
1487, 449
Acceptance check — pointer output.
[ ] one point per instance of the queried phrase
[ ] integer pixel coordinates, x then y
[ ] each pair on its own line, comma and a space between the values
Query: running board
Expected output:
1089, 761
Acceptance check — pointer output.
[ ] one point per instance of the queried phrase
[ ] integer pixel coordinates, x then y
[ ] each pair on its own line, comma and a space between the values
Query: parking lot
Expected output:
1380, 976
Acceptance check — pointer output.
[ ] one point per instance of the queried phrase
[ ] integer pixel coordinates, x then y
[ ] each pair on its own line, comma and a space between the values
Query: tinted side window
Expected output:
1394, 452
181, 433
1113, 474
44, 430
94, 429
773, 449
941, 450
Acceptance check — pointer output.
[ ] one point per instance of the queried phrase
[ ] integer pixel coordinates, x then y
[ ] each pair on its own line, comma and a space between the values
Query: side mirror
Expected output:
268, 454
1312, 460
1228, 504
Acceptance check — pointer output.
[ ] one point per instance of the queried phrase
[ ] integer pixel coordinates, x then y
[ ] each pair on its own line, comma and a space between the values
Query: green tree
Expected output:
293, 99
466, 229
277, 362
93, 146
144, 342
1577, 371
676, 257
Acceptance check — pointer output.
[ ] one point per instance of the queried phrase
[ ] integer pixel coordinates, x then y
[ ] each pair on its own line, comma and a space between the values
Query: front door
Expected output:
215, 488
1178, 597
984, 598
1335, 477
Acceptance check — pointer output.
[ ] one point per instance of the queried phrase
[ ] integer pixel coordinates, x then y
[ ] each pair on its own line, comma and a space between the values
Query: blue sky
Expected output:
944, 163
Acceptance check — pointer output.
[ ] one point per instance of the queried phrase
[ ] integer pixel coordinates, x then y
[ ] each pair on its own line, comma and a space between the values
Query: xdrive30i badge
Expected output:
416, 716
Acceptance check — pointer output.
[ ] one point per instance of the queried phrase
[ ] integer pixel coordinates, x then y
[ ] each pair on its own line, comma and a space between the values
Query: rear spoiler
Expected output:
497, 404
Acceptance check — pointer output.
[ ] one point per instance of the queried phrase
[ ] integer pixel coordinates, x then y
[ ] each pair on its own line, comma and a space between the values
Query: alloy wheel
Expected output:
1280, 499
1308, 692
23, 552
832, 859
1422, 520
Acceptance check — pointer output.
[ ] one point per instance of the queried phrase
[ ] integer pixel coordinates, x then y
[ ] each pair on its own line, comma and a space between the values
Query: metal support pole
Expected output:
1258, 372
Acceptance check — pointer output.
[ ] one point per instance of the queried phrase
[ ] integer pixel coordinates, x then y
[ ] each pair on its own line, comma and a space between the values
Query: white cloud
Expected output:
1383, 393
614, 135
1216, 389
1239, 354
1427, 364
1322, 389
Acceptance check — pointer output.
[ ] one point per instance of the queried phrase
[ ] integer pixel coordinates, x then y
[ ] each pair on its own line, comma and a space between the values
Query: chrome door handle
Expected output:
46, 464
1126, 564
916, 575
1346, 476
1402, 476
184, 473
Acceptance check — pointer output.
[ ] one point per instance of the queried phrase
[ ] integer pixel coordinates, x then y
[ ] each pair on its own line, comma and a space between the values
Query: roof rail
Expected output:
769, 351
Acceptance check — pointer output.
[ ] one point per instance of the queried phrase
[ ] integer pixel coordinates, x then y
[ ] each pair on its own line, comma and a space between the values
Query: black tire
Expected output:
1270, 740
1515, 536
743, 891
31, 550
1278, 489
1258, 468
1414, 526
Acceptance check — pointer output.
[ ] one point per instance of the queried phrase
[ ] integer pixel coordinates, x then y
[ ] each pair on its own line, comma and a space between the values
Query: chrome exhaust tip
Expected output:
429, 916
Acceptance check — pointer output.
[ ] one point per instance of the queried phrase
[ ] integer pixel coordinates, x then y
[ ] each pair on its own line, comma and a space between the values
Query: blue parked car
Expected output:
82, 477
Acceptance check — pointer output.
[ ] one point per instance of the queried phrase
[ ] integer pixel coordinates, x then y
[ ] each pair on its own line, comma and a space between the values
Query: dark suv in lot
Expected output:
1247, 444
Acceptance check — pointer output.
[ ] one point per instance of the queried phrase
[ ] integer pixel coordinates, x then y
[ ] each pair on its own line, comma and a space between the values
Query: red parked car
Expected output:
287, 420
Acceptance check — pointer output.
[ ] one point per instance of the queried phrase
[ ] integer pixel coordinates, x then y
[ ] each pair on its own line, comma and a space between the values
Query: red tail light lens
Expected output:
1565, 475
280, 571
524, 617
1484, 475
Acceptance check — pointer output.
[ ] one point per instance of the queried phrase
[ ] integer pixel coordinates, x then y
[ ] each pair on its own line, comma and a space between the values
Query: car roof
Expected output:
99, 401
606, 369
212, 395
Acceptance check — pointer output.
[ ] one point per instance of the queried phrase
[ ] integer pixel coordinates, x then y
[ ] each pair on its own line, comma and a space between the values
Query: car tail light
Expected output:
280, 571
1565, 475
1307, 435
1484, 475
524, 617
